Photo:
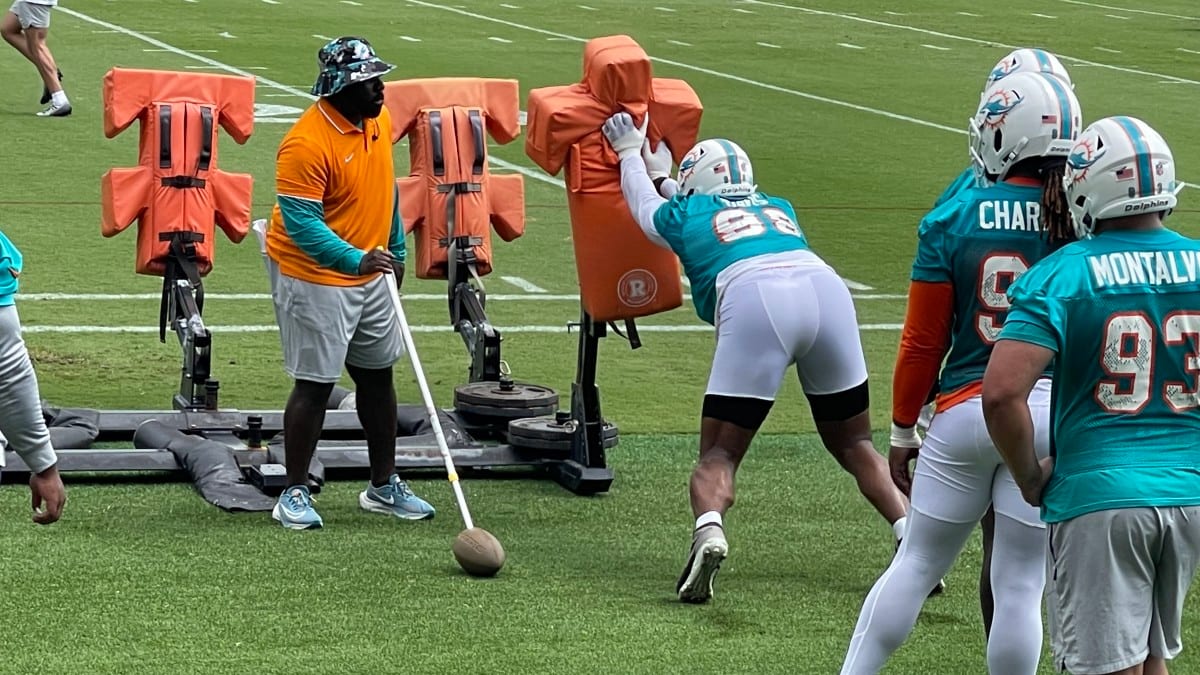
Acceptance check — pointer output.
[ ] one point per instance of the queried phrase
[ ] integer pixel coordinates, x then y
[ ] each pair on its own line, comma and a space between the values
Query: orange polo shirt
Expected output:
339, 177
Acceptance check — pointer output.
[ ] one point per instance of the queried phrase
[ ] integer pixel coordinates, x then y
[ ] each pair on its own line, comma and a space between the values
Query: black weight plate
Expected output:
496, 412
492, 394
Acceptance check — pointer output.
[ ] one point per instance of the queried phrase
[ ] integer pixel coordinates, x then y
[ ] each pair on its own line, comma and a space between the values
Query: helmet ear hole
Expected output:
998, 140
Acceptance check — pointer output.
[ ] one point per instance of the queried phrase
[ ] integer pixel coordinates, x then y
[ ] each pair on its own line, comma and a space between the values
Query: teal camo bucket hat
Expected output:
345, 61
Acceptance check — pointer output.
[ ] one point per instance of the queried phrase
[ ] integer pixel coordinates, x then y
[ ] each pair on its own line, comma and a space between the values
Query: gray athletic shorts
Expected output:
1115, 585
323, 328
31, 14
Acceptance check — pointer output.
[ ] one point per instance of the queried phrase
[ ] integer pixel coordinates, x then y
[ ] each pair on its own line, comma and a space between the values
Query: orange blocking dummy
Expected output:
449, 186
621, 274
177, 188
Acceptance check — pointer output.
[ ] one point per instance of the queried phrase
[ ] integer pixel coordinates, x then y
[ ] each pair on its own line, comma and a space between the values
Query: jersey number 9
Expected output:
732, 224
996, 273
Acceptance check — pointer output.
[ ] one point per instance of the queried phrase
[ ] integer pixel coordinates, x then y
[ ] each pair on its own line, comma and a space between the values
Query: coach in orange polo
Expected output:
335, 236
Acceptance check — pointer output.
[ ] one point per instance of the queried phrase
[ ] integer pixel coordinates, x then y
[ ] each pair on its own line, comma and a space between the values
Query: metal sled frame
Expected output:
573, 453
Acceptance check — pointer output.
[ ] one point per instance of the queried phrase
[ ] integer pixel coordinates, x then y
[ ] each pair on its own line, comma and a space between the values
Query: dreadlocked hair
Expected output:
1056, 216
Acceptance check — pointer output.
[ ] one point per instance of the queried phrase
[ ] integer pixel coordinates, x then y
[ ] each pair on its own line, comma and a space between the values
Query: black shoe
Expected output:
46, 90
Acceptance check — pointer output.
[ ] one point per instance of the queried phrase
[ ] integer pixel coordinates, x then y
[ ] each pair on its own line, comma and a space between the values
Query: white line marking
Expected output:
1114, 16
940, 49
768, 44
743, 11
1110, 51
963, 38
1128, 9
1188, 51
227, 35
856, 286
198, 51
1044, 16
508, 6
664, 9
965, 14
500, 39
527, 286
681, 43
321, 37
847, 45
564, 329
271, 2
409, 38
894, 13
351, 2
424, 297
589, 9
701, 69
265, 82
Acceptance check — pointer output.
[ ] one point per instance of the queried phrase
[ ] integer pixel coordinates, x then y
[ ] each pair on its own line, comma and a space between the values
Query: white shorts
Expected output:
31, 14
768, 319
959, 472
323, 328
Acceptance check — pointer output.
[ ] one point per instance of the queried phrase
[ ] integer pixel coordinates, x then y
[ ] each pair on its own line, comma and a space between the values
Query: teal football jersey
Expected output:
965, 181
11, 262
1122, 313
980, 242
710, 233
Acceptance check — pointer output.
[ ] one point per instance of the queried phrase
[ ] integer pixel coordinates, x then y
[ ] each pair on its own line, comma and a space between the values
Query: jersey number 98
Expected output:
996, 273
732, 224
1128, 358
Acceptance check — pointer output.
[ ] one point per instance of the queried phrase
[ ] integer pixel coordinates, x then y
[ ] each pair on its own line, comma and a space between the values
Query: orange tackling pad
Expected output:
176, 186
448, 122
622, 275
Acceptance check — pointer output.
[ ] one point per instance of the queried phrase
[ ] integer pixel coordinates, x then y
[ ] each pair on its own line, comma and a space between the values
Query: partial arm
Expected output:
396, 243
923, 345
1015, 366
642, 198
300, 190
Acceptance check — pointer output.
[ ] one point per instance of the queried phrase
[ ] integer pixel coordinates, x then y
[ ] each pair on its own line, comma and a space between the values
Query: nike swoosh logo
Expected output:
349, 157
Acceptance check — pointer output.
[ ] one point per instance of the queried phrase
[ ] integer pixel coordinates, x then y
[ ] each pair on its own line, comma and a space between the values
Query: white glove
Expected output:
658, 162
625, 138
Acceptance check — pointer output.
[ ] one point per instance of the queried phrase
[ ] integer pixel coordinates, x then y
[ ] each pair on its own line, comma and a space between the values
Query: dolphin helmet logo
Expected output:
1082, 157
1005, 68
997, 107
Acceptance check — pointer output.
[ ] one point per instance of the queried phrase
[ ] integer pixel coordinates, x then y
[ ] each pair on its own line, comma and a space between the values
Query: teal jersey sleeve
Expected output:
11, 263
1032, 316
304, 220
932, 262
396, 243
670, 219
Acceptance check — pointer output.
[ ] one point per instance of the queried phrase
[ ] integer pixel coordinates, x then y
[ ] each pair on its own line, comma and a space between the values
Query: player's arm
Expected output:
1026, 345
300, 180
641, 197
396, 244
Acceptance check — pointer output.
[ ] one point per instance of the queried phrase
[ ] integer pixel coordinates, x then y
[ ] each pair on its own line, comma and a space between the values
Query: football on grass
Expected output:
478, 552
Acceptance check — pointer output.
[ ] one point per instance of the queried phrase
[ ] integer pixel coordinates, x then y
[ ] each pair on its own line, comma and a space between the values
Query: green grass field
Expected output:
853, 110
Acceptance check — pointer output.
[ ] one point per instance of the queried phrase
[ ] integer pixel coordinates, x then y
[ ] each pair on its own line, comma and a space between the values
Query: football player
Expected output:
774, 303
969, 250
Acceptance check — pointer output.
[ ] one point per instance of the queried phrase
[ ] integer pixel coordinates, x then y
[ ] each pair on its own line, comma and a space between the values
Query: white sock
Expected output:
898, 527
709, 518
59, 98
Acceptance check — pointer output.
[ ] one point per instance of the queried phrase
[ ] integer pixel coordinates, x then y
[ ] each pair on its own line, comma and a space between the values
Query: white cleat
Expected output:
709, 549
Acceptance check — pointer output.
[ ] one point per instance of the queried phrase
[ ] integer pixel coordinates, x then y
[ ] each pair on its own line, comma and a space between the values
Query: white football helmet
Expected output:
1022, 116
716, 167
1028, 61
1120, 166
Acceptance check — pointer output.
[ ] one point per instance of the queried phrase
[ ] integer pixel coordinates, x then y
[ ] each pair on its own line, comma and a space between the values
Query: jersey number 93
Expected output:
732, 224
1128, 358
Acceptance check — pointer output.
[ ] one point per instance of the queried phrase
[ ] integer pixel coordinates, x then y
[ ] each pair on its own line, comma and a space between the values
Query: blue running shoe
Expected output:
294, 509
396, 499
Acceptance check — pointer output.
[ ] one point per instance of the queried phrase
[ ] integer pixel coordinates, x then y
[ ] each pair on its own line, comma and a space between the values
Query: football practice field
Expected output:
855, 110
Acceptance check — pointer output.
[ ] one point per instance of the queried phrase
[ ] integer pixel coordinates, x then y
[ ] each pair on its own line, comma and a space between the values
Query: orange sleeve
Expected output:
923, 345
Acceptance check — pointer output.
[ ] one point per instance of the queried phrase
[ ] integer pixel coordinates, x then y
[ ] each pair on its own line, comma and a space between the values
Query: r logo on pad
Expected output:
637, 288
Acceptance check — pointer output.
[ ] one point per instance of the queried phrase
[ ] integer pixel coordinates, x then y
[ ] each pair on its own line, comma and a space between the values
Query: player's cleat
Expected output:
395, 499
294, 509
46, 91
709, 549
56, 111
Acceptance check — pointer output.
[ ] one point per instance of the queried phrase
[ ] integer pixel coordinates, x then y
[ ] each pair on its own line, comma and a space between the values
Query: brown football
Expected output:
478, 552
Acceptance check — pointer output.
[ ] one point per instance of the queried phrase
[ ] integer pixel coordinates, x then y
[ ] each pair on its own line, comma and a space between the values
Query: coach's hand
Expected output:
47, 489
623, 136
375, 261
